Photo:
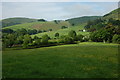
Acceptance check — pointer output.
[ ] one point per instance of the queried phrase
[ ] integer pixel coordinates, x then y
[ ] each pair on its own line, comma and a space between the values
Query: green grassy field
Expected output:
83, 60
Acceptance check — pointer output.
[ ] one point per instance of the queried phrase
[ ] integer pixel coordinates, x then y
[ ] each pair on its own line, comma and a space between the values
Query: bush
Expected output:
57, 35
61, 41
37, 42
26, 41
116, 39
72, 34
35, 37
45, 39
79, 37
25, 46
68, 40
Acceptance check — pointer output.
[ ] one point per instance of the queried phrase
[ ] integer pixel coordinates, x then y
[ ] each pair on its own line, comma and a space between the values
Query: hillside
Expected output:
81, 20
41, 25
110, 18
14, 21
115, 14
63, 31
17, 23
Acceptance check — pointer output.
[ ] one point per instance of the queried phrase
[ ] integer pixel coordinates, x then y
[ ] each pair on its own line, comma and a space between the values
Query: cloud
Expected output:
0, 10
28, 9
60, 0
89, 9
56, 10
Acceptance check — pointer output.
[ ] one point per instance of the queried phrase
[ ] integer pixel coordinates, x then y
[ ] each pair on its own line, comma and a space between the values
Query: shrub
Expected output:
116, 39
37, 42
45, 39
79, 37
72, 34
26, 41
68, 40
57, 35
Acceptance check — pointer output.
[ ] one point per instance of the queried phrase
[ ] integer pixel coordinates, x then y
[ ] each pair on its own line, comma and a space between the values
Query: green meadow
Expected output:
83, 60
63, 31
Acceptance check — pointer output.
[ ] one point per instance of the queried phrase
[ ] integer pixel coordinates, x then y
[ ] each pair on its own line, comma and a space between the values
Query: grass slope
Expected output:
81, 20
115, 14
16, 20
63, 31
40, 25
84, 60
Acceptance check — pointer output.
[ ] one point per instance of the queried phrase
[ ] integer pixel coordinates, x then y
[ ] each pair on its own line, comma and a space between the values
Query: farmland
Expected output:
40, 25
63, 31
83, 60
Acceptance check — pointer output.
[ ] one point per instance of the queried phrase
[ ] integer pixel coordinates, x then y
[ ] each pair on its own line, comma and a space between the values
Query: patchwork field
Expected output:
83, 60
40, 25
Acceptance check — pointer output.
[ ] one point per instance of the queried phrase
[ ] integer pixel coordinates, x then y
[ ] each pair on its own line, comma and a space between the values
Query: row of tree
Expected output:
23, 31
26, 41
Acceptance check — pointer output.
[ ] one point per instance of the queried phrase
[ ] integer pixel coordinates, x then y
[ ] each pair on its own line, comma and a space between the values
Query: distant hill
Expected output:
41, 25
81, 20
27, 23
112, 18
115, 14
14, 21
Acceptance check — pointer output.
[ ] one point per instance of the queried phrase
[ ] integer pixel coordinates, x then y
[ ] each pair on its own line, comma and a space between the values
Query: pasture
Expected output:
40, 25
63, 31
83, 60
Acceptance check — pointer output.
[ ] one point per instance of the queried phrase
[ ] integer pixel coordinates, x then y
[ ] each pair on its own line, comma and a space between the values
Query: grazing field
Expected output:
40, 25
83, 60
63, 31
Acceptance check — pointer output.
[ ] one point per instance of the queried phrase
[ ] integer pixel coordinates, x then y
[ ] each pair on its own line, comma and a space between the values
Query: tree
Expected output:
72, 34
42, 20
102, 35
21, 31
37, 42
56, 21
68, 40
79, 37
10, 40
45, 39
27, 40
34, 31
50, 29
63, 27
7, 30
35, 37
57, 35
19, 40
73, 24
116, 39
39, 31
44, 31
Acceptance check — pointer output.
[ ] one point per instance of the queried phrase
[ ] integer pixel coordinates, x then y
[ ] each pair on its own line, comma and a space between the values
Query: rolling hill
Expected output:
40, 25
115, 14
72, 24
81, 20
14, 21
34, 24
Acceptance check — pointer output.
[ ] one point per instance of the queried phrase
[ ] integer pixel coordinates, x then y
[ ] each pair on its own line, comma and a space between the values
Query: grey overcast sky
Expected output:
56, 10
